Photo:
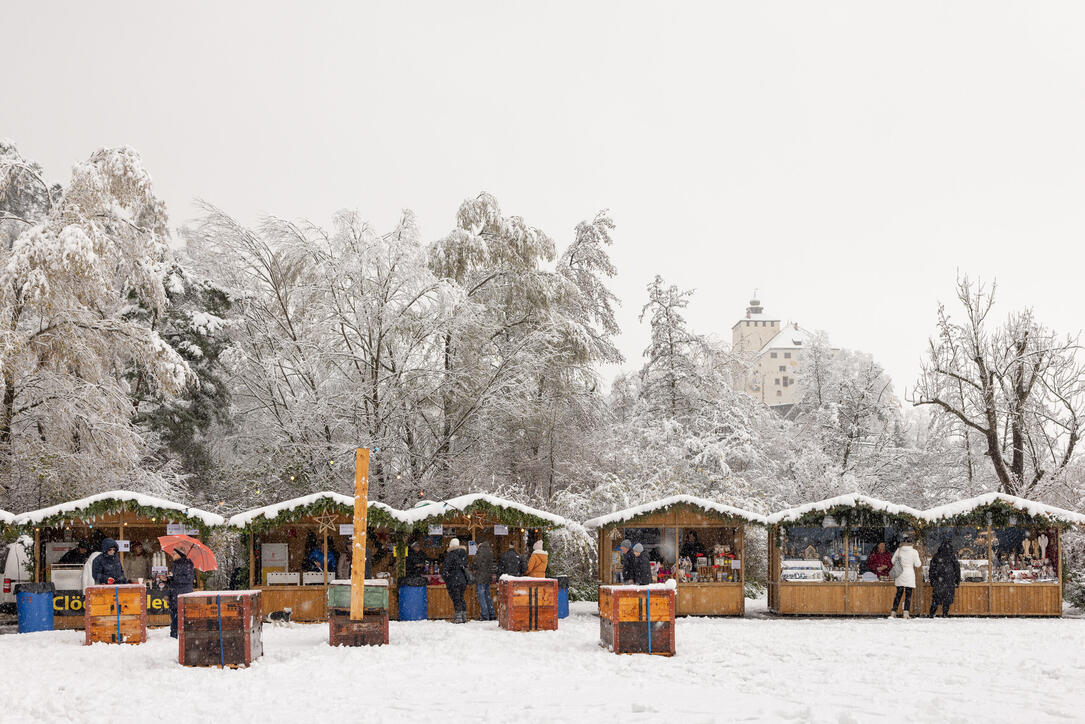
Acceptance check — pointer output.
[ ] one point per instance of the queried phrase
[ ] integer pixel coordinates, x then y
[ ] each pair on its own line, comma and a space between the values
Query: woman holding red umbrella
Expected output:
181, 581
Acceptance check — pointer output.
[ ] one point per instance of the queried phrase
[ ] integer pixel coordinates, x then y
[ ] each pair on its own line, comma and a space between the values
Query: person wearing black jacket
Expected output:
182, 579
628, 561
945, 576
510, 563
416, 560
483, 568
454, 571
107, 567
642, 570
76, 556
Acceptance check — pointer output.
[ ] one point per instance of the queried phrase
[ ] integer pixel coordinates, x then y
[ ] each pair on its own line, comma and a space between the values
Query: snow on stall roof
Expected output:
703, 503
850, 501
243, 519
435, 510
963, 507
148, 501
6, 517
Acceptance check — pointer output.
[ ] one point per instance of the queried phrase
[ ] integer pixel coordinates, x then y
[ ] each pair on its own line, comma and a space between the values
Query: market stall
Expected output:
697, 542
1009, 550
296, 546
828, 557
122, 515
472, 518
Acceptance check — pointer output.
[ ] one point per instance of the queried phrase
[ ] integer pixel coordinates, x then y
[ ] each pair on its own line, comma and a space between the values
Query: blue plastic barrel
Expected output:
34, 603
412, 603
563, 596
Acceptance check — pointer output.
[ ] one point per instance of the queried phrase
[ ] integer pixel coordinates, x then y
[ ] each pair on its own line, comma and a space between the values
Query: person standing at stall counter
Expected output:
454, 571
484, 573
137, 564
536, 565
908, 559
182, 579
510, 563
880, 561
642, 570
625, 552
107, 568
945, 575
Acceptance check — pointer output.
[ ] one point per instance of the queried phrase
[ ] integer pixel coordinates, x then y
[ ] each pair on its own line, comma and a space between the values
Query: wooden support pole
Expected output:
361, 516
252, 559
324, 565
37, 556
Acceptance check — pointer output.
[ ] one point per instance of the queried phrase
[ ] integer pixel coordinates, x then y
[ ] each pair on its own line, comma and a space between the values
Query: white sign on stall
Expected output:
346, 529
472, 549
436, 530
274, 558
736, 563
501, 530
123, 546
180, 529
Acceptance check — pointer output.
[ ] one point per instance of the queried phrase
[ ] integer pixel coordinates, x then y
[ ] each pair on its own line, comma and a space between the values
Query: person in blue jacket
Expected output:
107, 567
316, 556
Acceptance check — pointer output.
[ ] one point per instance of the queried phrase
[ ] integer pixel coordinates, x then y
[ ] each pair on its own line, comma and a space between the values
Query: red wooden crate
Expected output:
627, 627
115, 614
372, 630
527, 604
219, 628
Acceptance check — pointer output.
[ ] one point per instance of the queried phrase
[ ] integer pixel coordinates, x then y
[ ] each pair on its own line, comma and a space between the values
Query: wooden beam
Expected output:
324, 565
252, 558
37, 555
361, 516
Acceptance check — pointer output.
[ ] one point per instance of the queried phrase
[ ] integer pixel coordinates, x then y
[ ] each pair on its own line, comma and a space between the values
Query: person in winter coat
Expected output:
88, 570
76, 556
342, 567
536, 565
107, 567
454, 571
416, 560
510, 563
317, 562
629, 563
692, 547
642, 570
484, 573
182, 580
880, 561
945, 575
137, 564
909, 560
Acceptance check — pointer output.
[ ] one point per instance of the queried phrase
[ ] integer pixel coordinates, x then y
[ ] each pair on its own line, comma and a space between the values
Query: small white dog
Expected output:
280, 618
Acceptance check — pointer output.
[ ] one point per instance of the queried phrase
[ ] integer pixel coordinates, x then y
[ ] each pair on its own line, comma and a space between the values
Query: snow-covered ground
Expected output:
757, 668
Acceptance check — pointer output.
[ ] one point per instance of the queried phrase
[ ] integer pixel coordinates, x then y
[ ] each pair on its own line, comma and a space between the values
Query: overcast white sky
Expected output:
845, 159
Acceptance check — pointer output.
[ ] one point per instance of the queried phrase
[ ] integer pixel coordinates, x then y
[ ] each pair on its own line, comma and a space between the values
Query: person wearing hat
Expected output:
628, 562
416, 560
642, 570
454, 571
536, 565
76, 556
908, 558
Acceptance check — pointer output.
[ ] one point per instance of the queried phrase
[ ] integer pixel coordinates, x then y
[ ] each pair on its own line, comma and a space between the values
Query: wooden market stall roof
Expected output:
118, 501
710, 506
964, 508
841, 503
307, 505
6, 518
506, 510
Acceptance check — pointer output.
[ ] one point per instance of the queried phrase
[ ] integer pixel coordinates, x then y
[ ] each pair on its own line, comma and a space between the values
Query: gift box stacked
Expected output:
219, 628
527, 604
115, 614
372, 630
637, 619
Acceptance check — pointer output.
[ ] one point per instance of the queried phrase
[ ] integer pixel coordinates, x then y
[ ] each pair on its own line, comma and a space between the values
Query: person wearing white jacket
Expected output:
908, 559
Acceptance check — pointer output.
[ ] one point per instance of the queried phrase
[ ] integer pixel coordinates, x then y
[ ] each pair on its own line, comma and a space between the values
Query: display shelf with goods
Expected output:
1009, 550
298, 546
123, 516
698, 543
472, 519
833, 557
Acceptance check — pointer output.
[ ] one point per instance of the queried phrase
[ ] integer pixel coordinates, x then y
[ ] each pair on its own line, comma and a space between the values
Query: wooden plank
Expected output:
361, 514
811, 599
710, 599
309, 603
873, 599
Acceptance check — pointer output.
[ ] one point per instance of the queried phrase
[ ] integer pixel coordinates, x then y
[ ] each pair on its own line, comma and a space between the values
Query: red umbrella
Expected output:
203, 559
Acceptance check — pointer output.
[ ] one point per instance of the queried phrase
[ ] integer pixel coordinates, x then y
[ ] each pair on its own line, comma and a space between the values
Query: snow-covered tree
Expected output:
670, 379
85, 256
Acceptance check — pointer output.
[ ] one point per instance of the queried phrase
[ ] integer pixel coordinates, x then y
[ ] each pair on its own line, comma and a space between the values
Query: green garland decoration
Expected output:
377, 516
724, 517
1000, 512
856, 516
110, 506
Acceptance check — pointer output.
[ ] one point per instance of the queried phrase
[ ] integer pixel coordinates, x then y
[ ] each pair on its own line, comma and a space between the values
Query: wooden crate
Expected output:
528, 604
115, 614
376, 595
637, 619
219, 628
372, 630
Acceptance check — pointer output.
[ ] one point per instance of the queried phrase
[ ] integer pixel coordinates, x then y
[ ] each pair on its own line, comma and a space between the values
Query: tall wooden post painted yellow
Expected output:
357, 551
